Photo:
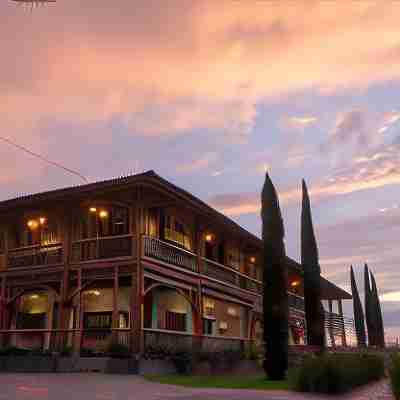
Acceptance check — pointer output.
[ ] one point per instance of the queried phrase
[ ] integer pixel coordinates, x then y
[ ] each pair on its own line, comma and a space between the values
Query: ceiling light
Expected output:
209, 237
103, 214
92, 209
33, 224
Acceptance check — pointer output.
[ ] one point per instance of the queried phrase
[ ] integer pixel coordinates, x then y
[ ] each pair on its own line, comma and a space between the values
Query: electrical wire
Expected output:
46, 160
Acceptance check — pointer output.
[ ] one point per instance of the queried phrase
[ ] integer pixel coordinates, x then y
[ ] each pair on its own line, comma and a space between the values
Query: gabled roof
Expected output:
31, 200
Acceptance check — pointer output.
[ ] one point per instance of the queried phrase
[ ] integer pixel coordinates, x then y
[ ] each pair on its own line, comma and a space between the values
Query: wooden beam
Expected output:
115, 313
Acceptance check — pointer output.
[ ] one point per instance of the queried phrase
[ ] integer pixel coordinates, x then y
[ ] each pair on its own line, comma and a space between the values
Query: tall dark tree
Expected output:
358, 312
369, 309
380, 332
275, 301
312, 275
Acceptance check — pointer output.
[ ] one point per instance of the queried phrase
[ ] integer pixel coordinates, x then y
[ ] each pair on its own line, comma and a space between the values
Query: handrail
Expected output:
109, 237
181, 249
34, 246
166, 252
230, 269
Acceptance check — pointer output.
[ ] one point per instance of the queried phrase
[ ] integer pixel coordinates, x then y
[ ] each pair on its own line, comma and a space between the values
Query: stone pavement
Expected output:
122, 387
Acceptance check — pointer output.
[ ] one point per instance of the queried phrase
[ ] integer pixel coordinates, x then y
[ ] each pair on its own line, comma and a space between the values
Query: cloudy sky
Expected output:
211, 94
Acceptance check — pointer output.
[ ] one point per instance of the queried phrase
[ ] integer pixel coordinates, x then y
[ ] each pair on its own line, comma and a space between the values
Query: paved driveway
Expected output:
119, 387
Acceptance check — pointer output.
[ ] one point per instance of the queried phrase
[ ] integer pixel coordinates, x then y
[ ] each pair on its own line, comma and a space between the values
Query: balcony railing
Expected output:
226, 274
169, 253
36, 255
296, 301
102, 248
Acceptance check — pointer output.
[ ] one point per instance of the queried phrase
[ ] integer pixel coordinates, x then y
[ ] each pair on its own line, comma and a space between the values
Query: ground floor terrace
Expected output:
165, 317
99, 312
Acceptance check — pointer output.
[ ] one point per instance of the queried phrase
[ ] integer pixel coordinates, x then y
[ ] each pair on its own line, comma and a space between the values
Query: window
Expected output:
208, 326
100, 320
176, 231
31, 321
99, 221
175, 321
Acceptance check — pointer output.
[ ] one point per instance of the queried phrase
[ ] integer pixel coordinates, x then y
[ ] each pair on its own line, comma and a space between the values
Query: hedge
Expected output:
394, 373
336, 373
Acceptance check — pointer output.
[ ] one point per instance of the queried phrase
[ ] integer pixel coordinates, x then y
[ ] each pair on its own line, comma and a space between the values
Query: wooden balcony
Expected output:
168, 253
101, 248
229, 275
38, 255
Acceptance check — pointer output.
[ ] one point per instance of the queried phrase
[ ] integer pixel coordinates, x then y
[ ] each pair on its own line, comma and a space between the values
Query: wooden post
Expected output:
340, 307
331, 335
115, 313
79, 315
199, 311
3, 303
136, 334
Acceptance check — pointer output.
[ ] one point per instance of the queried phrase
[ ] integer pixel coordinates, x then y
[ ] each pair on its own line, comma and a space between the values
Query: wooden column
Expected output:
198, 332
3, 304
340, 308
331, 335
79, 315
136, 300
115, 313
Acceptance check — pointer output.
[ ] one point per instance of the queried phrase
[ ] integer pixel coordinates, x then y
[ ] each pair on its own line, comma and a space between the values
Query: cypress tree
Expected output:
380, 332
358, 311
312, 275
369, 309
275, 300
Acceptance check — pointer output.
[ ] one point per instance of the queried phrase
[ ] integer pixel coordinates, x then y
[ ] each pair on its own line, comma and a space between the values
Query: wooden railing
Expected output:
169, 253
102, 248
296, 301
229, 275
35, 255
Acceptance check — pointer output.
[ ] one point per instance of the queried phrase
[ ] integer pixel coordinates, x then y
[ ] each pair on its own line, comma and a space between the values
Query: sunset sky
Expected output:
211, 94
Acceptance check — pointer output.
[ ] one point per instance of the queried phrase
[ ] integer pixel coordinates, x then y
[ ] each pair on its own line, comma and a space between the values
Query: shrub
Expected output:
157, 352
183, 362
14, 351
394, 373
117, 350
336, 373
87, 352
66, 351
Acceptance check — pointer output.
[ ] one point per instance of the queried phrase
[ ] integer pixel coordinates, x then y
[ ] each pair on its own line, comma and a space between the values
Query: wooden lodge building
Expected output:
135, 260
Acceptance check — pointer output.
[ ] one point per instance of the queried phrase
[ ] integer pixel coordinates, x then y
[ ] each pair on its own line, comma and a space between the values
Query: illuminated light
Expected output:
92, 209
34, 296
252, 260
209, 237
103, 214
32, 224
42, 220
232, 311
94, 292
223, 326
295, 283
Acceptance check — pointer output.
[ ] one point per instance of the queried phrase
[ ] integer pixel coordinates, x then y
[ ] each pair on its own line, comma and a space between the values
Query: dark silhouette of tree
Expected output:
370, 316
312, 275
275, 300
358, 312
380, 332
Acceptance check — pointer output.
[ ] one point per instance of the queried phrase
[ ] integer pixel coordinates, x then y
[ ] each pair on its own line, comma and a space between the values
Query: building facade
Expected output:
135, 261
